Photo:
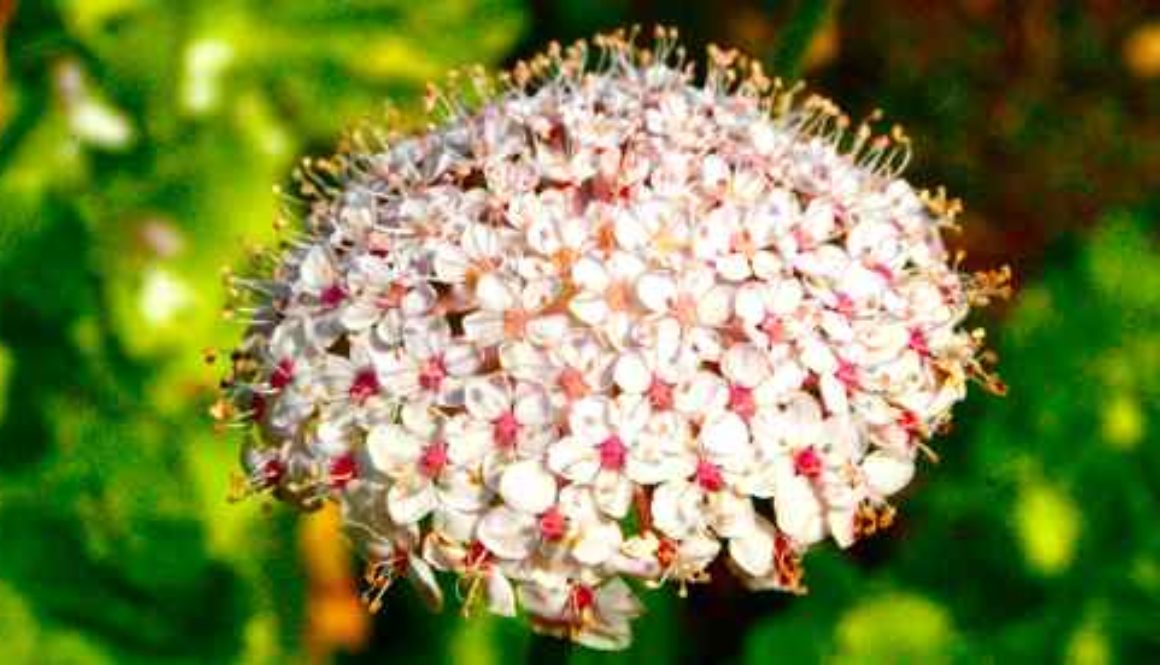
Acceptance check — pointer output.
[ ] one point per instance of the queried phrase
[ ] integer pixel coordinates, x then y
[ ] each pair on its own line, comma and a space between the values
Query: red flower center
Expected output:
364, 386
845, 304
434, 458
571, 381
660, 395
477, 554
432, 373
741, 401
909, 421
918, 343
271, 471
332, 296
773, 328
612, 453
708, 476
848, 374
553, 526
807, 462
283, 374
505, 430
666, 553
343, 470
581, 597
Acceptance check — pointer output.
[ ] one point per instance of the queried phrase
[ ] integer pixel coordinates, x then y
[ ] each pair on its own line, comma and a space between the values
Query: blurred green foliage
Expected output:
139, 140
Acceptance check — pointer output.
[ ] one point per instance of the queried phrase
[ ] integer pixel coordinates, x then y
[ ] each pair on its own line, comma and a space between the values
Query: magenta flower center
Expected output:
708, 476
807, 462
505, 430
433, 459
364, 386
432, 373
612, 453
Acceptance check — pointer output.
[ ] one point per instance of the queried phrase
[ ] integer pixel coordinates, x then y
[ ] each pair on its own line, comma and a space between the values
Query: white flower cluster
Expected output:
613, 323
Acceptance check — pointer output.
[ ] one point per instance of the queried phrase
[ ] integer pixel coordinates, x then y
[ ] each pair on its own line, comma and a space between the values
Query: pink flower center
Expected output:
848, 374
364, 386
708, 476
332, 296
477, 554
909, 421
773, 329
271, 471
581, 597
845, 304
505, 430
283, 374
918, 343
884, 270
660, 395
571, 381
553, 526
741, 401
612, 453
434, 458
685, 310
807, 462
343, 470
432, 373
392, 297
257, 408
666, 553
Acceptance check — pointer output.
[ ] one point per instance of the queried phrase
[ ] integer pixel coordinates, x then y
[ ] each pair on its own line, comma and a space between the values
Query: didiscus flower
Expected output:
607, 320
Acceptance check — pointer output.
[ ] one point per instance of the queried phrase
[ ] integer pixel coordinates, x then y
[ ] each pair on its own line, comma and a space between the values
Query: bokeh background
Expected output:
139, 140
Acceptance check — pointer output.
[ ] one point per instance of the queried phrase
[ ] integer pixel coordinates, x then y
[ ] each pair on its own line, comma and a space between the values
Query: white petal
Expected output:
528, 486
631, 373
749, 303
410, 501
886, 473
590, 308
392, 448
733, 267
732, 514
725, 438
715, 305
450, 264
818, 357
753, 552
590, 275
547, 330
573, 460
507, 533
597, 543
494, 294
481, 241
656, 291
460, 359
486, 399
501, 595
799, 514
613, 493
834, 394
533, 406
745, 365
766, 265
423, 579
786, 296
674, 507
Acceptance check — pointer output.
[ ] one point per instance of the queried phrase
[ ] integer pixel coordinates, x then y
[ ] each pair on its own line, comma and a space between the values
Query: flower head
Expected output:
611, 322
